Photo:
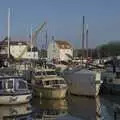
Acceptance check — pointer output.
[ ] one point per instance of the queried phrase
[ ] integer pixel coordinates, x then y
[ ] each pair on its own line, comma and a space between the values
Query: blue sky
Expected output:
64, 19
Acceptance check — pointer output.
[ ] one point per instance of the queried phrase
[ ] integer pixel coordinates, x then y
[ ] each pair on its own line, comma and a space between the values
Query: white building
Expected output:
60, 50
19, 50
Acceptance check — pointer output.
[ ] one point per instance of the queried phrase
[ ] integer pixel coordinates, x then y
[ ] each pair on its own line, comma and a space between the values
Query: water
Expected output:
71, 108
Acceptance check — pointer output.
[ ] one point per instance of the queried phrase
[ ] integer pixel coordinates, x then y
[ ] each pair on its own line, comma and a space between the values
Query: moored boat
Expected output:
83, 82
14, 90
48, 85
111, 77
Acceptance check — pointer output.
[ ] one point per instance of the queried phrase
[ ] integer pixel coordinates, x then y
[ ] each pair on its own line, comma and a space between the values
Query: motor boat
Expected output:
82, 81
14, 90
47, 84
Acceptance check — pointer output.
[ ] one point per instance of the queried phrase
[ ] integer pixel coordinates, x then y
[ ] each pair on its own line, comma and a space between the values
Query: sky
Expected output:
64, 19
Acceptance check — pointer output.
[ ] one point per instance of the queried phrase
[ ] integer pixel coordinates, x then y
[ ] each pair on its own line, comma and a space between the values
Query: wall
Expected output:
63, 56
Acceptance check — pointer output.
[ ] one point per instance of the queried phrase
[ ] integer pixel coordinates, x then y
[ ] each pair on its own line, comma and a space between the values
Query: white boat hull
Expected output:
18, 99
81, 84
85, 90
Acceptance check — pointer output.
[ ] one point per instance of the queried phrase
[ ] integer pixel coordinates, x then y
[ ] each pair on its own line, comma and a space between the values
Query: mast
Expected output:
31, 39
53, 41
87, 40
83, 37
46, 37
8, 33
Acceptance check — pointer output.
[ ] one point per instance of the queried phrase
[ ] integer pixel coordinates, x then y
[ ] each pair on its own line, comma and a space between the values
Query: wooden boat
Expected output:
14, 90
48, 85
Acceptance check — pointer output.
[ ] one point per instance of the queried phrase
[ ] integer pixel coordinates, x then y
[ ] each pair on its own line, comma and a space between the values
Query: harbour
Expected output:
59, 69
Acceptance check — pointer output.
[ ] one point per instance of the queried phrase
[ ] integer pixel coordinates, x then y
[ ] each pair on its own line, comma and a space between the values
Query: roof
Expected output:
63, 44
5, 42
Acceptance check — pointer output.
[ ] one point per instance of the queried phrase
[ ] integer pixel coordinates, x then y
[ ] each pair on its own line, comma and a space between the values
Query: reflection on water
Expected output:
51, 109
17, 112
82, 107
110, 105
73, 108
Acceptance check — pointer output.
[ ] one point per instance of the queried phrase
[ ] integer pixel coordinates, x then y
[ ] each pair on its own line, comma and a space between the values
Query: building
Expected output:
60, 50
18, 49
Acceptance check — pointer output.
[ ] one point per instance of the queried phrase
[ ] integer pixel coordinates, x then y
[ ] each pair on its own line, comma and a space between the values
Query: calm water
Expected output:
71, 108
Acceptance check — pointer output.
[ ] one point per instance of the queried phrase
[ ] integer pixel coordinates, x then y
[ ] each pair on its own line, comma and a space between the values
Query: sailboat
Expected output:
13, 87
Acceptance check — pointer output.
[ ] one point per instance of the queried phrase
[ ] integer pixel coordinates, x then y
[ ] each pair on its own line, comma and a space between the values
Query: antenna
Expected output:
8, 33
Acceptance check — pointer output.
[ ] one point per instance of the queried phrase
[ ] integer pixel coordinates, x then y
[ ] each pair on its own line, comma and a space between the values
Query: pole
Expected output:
53, 41
87, 40
31, 39
83, 37
8, 33
46, 37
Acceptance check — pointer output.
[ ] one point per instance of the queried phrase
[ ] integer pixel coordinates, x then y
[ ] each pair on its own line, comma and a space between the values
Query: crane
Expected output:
36, 32
34, 38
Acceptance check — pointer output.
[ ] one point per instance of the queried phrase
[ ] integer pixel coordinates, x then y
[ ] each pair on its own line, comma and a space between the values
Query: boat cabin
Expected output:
48, 82
45, 73
12, 84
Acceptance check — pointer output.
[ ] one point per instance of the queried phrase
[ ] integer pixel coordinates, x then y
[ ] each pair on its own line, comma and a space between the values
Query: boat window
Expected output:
10, 84
38, 73
50, 73
22, 85
40, 82
117, 75
55, 81
47, 82
62, 82
0, 85
43, 73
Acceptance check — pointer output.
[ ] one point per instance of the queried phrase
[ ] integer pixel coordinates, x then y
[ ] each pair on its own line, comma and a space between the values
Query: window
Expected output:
10, 84
47, 83
55, 81
38, 73
43, 73
40, 83
0, 85
51, 73
62, 82
22, 85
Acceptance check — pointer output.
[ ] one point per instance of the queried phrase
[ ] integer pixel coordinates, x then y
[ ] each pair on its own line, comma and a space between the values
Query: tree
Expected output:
109, 49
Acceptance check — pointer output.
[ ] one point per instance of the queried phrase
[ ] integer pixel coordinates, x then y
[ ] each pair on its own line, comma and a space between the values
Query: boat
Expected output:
14, 90
111, 78
82, 81
47, 84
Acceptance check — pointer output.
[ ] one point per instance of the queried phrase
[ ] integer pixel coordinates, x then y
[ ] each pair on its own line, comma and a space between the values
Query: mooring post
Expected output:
115, 115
